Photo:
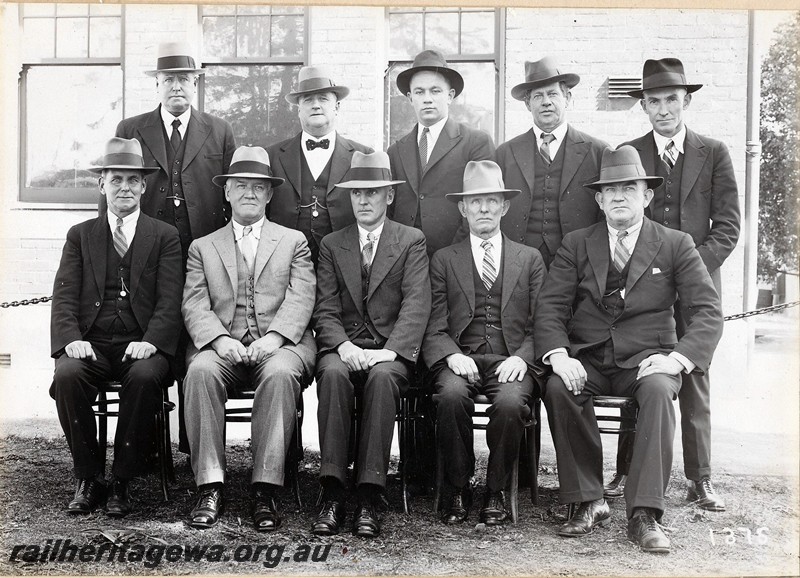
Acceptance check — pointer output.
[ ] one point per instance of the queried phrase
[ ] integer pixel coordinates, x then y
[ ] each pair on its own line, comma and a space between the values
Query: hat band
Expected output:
171, 62
123, 159
369, 174
481, 184
315, 84
250, 167
662, 79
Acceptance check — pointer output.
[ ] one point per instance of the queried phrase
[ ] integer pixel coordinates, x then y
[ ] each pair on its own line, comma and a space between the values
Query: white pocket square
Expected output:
656, 270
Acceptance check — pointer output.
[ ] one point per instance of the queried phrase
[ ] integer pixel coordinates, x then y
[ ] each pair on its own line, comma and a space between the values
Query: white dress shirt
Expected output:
376, 235
167, 118
319, 157
252, 238
478, 251
560, 132
662, 141
435, 130
128, 224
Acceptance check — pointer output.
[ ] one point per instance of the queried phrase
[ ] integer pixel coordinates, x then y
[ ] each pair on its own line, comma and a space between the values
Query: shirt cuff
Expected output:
688, 366
546, 356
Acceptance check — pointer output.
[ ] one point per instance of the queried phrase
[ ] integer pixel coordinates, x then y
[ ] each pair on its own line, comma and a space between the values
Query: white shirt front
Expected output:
128, 224
319, 157
662, 141
167, 119
363, 240
434, 131
560, 132
253, 238
478, 251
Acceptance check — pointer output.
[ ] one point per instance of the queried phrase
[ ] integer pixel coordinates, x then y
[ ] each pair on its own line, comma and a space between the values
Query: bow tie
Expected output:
312, 144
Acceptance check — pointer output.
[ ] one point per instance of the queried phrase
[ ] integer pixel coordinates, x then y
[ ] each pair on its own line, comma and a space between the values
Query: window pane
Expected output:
72, 37
288, 36
401, 113
477, 32
105, 9
39, 38
405, 36
64, 135
252, 99
441, 32
251, 9
72, 10
252, 38
39, 10
104, 37
219, 36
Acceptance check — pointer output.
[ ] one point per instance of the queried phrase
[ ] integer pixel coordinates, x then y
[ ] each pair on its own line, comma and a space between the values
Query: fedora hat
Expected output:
313, 79
174, 57
368, 170
123, 154
434, 61
481, 177
622, 165
249, 163
541, 72
661, 74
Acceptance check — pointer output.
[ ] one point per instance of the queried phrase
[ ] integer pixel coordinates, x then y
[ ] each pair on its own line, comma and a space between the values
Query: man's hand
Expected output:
659, 363
80, 350
139, 350
570, 370
512, 369
379, 356
230, 349
353, 356
263, 347
463, 365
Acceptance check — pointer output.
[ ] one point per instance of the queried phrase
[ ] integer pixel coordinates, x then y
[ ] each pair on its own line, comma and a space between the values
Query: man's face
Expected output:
430, 95
623, 203
176, 90
248, 198
317, 112
483, 213
123, 190
369, 205
548, 105
664, 107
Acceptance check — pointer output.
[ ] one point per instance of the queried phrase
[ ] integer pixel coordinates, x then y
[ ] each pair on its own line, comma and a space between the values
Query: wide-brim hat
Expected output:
540, 73
124, 154
661, 74
481, 177
175, 57
620, 166
248, 163
313, 79
368, 171
434, 61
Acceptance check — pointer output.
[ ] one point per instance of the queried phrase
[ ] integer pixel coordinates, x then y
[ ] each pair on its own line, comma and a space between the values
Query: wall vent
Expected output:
619, 85
5, 360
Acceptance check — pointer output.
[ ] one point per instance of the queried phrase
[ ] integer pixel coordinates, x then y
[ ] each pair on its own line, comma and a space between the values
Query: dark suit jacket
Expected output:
709, 198
453, 304
209, 148
664, 266
399, 299
576, 205
286, 160
156, 282
456, 146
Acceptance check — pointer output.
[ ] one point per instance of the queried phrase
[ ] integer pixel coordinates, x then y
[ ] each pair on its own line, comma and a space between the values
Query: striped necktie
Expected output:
670, 156
621, 253
423, 148
120, 243
489, 273
547, 138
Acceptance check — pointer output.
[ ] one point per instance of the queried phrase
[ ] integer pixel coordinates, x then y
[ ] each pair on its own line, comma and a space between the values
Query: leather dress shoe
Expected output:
494, 512
89, 495
209, 507
365, 521
330, 518
265, 511
616, 487
645, 531
702, 493
586, 517
458, 508
119, 500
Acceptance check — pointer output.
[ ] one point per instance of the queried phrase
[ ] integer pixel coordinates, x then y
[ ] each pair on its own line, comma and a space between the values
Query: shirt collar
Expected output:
167, 118
238, 230
132, 218
435, 130
496, 241
661, 141
362, 232
560, 132
331, 136
634, 230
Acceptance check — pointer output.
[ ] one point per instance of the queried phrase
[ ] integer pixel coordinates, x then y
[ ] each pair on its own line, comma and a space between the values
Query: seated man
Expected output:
115, 316
373, 302
480, 341
247, 303
605, 324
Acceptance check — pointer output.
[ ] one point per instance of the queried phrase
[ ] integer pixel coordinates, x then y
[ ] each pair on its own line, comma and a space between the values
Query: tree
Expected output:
780, 155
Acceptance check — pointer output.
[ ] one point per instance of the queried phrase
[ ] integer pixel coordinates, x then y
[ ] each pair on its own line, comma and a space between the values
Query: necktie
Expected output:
670, 156
547, 138
423, 148
621, 253
489, 273
247, 249
120, 243
366, 253
312, 144
175, 139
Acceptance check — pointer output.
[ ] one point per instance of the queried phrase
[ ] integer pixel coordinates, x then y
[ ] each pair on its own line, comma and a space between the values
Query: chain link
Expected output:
33, 301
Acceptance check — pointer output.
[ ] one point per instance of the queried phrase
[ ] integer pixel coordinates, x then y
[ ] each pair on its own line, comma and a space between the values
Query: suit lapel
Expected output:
196, 134
99, 237
270, 237
693, 161
597, 250
152, 136
385, 256
647, 246
575, 151
290, 160
349, 258
340, 162
523, 153
407, 146
226, 249
512, 268
647, 153
448, 138
463, 266
143, 242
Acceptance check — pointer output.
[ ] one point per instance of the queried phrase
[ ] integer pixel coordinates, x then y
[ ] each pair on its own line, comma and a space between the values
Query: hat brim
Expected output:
453, 77
341, 93
195, 70
219, 180
144, 170
519, 91
652, 182
639, 94
509, 193
367, 184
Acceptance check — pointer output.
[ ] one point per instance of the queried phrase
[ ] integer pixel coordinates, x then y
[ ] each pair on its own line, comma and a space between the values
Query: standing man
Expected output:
605, 324
312, 162
479, 340
373, 302
699, 197
432, 157
246, 305
549, 163
115, 316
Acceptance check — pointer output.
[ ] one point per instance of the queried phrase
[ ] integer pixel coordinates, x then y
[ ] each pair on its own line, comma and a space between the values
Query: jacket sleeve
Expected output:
64, 311
294, 313
725, 215
330, 332
164, 327
536, 275
438, 344
201, 322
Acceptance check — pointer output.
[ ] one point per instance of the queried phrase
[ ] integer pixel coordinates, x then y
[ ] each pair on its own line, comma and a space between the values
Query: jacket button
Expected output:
422, 197
613, 327
97, 304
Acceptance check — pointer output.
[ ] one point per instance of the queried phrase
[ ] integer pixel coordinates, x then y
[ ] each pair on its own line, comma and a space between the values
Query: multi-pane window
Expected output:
71, 97
253, 54
469, 39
